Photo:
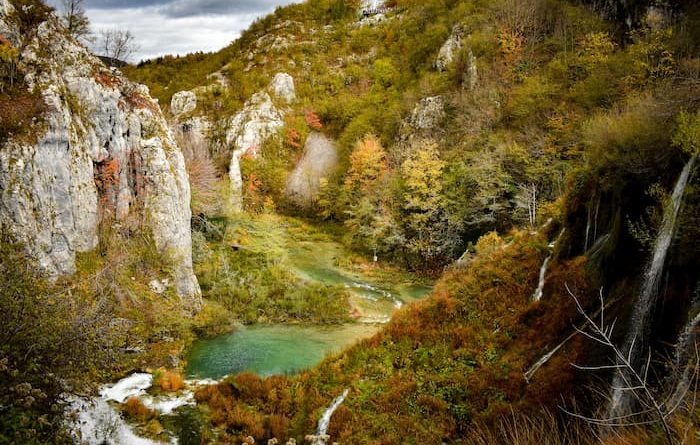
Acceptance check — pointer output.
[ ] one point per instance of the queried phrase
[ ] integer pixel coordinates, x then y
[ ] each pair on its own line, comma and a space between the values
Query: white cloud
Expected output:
158, 35
179, 27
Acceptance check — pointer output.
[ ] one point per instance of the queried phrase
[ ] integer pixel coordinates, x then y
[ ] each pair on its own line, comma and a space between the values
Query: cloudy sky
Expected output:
177, 26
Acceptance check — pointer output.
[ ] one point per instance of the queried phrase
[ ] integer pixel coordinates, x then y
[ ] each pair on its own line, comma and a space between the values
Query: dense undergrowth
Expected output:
242, 264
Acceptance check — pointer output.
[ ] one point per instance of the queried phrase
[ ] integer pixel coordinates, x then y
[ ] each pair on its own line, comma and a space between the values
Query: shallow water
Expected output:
271, 349
314, 257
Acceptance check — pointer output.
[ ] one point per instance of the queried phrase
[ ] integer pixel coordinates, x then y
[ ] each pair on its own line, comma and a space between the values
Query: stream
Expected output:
288, 349
374, 294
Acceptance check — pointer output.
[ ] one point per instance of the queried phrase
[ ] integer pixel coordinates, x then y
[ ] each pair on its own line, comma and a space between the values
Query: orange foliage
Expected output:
135, 409
292, 138
312, 120
106, 79
169, 381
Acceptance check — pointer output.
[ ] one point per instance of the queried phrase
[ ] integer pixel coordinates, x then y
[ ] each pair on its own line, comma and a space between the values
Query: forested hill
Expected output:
481, 109
496, 144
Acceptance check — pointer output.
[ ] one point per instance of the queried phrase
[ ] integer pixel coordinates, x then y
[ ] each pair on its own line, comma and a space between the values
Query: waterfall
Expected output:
326, 418
96, 421
539, 292
639, 323
686, 348
540, 286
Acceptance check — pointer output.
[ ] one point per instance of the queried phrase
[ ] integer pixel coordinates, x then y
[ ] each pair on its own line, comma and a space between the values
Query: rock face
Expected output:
183, 102
428, 113
249, 128
104, 150
318, 162
449, 50
282, 86
470, 77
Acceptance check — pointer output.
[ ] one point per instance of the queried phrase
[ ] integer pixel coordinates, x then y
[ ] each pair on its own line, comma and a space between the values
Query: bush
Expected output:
168, 381
51, 342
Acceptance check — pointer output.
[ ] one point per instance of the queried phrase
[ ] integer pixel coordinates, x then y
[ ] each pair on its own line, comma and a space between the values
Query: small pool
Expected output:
271, 349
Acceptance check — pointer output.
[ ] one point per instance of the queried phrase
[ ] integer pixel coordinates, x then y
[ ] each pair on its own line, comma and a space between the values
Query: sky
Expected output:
177, 26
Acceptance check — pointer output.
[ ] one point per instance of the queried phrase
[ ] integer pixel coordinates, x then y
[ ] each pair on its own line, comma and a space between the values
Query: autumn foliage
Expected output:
169, 381
312, 120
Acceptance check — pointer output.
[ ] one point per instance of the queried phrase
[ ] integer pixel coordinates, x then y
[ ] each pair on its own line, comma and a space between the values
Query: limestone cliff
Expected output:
258, 120
102, 149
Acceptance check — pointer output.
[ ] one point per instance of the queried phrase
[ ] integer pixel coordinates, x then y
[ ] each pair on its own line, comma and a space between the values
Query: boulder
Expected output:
183, 102
449, 50
428, 113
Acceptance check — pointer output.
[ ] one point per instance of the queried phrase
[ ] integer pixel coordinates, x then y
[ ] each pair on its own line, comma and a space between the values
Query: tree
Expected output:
430, 235
364, 200
8, 62
75, 19
52, 343
116, 45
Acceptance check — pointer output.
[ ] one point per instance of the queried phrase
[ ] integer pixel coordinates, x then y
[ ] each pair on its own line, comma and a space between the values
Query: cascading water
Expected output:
321, 432
95, 421
637, 334
539, 292
686, 350
537, 296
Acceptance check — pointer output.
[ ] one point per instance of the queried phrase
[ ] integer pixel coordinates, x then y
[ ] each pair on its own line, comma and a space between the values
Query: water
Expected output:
539, 291
288, 349
637, 333
325, 420
537, 296
96, 421
271, 349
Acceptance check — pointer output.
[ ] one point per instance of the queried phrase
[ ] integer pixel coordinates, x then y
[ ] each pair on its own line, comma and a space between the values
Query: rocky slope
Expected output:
102, 152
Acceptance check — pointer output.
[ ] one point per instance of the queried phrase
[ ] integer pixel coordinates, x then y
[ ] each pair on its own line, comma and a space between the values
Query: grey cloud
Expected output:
187, 8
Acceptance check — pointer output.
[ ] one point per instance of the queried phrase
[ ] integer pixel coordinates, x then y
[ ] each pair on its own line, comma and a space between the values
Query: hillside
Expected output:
484, 132
537, 158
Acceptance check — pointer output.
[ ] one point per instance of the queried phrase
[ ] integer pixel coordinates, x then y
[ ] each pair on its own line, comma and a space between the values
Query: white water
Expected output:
637, 333
539, 292
326, 418
537, 296
132, 386
686, 348
96, 421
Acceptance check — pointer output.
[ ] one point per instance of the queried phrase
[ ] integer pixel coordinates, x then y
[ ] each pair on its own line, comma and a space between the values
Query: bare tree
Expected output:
75, 18
116, 45
655, 405
527, 199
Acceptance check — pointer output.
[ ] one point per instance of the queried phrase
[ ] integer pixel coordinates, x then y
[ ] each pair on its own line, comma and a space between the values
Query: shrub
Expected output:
169, 381
51, 342
20, 112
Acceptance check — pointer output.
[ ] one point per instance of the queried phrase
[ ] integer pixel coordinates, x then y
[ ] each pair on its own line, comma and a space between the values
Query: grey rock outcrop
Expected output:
183, 102
103, 148
282, 86
318, 162
249, 128
470, 77
449, 50
428, 113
